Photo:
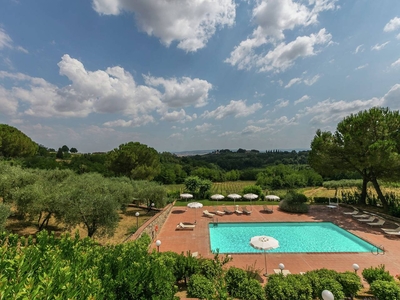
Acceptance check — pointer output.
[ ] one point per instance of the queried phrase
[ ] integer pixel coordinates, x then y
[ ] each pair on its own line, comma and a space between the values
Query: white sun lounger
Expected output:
361, 216
391, 229
380, 222
354, 212
370, 219
283, 272
208, 214
185, 226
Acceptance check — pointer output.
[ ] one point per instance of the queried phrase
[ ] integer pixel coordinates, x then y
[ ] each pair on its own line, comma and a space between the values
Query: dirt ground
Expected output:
126, 226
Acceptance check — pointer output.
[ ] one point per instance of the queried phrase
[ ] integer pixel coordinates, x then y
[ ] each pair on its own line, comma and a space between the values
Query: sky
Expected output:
181, 75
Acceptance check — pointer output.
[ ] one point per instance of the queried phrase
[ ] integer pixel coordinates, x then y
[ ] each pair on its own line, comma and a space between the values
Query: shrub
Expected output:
385, 290
321, 200
332, 285
234, 278
254, 189
291, 287
316, 276
294, 197
302, 208
350, 282
250, 289
200, 287
379, 273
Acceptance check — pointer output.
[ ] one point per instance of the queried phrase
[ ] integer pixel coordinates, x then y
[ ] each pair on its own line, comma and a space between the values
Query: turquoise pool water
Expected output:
293, 237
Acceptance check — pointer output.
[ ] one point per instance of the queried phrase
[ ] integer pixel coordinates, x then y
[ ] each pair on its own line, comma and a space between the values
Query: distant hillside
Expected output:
193, 152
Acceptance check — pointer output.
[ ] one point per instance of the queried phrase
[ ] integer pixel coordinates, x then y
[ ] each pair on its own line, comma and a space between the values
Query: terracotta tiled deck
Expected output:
197, 240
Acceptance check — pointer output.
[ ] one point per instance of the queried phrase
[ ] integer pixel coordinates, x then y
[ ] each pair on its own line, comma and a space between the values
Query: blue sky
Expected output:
181, 75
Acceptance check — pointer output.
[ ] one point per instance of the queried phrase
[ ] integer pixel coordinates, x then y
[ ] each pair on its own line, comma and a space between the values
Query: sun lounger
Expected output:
227, 211
245, 210
391, 229
208, 214
380, 222
219, 213
393, 232
238, 211
185, 226
267, 209
283, 272
332, 204
354, 212
361, 216
370, 219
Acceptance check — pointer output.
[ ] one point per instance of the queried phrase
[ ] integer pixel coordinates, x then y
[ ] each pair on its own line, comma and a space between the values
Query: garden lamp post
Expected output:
356, 267
137, 214
152, 205
281, 266
158, 244
327, 295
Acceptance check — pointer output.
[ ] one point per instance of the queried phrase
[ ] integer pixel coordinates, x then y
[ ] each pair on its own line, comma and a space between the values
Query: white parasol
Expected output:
217, 197
195, 205
272, 197
234, 197
265, 243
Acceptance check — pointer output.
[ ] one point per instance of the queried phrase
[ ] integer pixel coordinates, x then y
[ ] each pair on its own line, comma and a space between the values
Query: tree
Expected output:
367, 143
14, 143
91, 200
73, 150
134, 160
60, 154
65, 148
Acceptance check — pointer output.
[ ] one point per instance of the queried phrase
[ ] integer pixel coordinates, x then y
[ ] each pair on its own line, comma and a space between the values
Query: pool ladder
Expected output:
379, 250
215, 221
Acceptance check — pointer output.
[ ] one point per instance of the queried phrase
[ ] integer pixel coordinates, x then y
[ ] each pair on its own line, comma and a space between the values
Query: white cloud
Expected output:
5, 40
302, 99
396, 63
360, 48
204, 127
177, 116
234, 108
333, 111
227, 133
398, 36
177, 135
284, 55
292, 82
190, 23
272, 18
252, 129
281, 103
378, 47
182, 92
361, 67
111, 91
392, 25
311, 81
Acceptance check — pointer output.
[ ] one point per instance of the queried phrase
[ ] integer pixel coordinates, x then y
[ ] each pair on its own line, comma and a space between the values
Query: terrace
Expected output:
198, 240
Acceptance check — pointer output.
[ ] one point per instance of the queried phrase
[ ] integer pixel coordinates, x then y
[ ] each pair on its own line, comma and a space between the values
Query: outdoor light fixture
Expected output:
327, 295
356, 267
281, 266
158, 244
137, 220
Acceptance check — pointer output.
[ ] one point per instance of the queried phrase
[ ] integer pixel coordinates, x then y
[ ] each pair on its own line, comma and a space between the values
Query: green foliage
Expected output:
5, 212
73, 150
251, 289
65, 149
316, 278
385, 290
295, 198
149, 192
71, 268
254, 189
376, 273
291, 287
366, 143
197, 186
350, 282
14, 143
134, 160
201, 287
60, 154
234, 278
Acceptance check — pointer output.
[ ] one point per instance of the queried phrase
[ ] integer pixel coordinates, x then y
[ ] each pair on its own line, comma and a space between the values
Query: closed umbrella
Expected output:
234, 197
264, 243
195, 205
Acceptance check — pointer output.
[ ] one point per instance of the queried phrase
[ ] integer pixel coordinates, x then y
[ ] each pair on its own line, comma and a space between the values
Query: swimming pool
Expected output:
293, 237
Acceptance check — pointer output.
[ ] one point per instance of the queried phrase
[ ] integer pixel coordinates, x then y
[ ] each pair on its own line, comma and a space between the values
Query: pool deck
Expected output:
197, 240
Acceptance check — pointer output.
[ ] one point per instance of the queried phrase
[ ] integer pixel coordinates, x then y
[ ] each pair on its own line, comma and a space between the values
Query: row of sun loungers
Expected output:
368, 218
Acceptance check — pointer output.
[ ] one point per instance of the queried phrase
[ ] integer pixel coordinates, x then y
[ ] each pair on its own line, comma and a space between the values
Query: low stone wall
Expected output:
152, 226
